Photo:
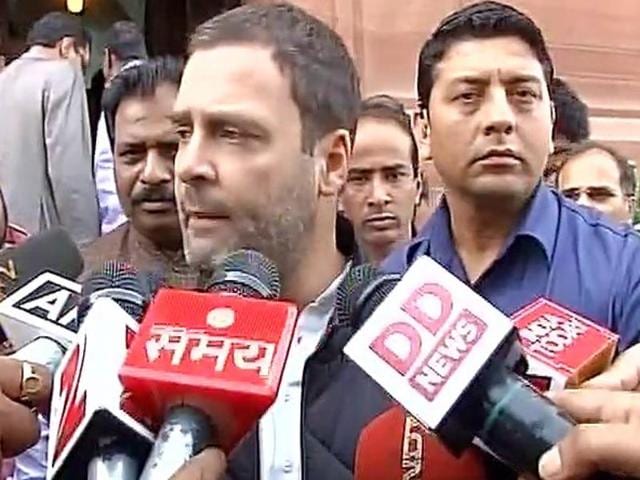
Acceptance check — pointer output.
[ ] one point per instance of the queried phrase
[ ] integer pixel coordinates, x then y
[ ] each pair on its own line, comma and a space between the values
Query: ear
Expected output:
419, 187
553, 123
66, 47
332, 154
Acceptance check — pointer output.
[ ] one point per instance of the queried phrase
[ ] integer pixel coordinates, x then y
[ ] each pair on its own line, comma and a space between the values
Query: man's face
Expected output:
381, 188
592, 178
242, 179
146, 144
490, 119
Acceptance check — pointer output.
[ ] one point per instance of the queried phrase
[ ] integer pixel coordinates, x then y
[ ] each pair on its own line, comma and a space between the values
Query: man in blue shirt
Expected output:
483, 82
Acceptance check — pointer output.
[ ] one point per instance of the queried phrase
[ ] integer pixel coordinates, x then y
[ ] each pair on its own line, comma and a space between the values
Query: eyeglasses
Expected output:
597, 194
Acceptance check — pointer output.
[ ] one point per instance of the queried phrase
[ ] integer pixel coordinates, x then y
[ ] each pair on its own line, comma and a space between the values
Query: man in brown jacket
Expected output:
137, 106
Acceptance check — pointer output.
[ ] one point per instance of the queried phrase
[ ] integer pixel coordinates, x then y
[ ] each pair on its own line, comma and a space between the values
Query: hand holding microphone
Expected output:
607, 438
623, 375
210, 464
19, 428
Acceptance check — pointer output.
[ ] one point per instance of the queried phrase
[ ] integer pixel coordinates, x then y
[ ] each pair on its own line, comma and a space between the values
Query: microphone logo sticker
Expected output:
221, 318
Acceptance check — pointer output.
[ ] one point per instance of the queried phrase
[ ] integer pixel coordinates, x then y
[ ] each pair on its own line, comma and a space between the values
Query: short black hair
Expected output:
565, 152
55, 26
324, 81
125, 40
385, 107
139, 81
486, 19
572, 114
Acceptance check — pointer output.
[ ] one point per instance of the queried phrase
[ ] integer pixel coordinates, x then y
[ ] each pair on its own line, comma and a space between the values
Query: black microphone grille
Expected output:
350, 290
121, 282
248, 273
360, 293
113, 274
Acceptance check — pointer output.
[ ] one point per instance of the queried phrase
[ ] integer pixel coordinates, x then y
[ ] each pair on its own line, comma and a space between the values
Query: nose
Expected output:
156, 169
378, 193
585, 200
499, 117
193, 162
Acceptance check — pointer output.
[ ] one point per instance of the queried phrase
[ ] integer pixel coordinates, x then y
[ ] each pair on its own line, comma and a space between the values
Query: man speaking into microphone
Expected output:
265, 113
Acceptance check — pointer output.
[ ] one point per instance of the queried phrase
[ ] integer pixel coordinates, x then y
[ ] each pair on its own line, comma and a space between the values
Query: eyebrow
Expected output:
510, 78
180, 117
184, 117
394, 167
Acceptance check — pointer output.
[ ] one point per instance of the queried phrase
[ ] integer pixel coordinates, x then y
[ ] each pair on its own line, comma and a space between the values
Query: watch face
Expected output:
31, 385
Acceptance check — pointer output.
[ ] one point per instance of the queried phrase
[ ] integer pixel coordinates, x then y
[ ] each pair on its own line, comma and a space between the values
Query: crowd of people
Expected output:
261, 139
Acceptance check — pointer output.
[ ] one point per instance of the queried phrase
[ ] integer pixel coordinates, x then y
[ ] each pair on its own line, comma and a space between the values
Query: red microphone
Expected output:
562, 348
395, 446
210, 364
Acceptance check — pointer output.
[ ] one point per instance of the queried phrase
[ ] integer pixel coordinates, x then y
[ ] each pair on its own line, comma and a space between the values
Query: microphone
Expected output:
95, 427
41, 297
210, 363
50, 251
451, 359
395, 446
562, 348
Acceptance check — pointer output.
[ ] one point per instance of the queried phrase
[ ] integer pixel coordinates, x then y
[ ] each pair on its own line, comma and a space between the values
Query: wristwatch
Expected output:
30, 386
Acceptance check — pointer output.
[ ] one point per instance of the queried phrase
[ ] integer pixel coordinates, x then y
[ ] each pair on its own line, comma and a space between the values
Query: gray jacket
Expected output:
45, 147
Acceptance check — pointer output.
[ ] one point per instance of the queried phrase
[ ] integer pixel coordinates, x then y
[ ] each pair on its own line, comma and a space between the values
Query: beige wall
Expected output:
595, 45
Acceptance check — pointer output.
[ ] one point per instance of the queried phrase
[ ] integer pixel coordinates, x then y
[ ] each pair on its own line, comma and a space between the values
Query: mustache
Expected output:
200, 202
153, 194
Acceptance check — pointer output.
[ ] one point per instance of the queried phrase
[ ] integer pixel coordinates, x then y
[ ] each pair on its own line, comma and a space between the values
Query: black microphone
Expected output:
37, 289
50, 251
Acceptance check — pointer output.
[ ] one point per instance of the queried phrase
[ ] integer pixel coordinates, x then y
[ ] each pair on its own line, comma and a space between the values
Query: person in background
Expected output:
138, 103
45, 144
484, 81
572, 114
383, 182
596, 175
124, 48
10, 235
571, 123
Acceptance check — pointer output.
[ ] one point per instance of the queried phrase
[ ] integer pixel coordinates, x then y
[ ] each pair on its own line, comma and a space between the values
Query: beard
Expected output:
277, 226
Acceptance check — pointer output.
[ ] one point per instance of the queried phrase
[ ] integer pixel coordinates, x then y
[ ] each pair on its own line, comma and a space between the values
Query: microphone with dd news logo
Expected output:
95, 429
449, 358
210, 364
394, 445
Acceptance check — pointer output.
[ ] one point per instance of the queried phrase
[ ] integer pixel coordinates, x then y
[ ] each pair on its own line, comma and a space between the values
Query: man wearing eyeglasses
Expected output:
595, 175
